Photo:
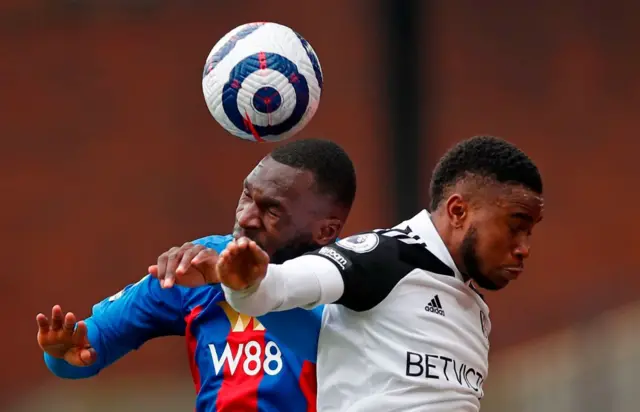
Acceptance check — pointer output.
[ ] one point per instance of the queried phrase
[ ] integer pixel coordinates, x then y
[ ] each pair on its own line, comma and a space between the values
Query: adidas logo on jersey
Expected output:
435, 306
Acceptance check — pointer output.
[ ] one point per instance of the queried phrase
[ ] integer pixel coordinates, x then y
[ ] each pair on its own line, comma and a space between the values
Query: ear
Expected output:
457, 209
327, 230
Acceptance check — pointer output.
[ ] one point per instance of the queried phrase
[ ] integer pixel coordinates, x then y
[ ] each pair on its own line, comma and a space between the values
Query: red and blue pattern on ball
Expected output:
315, 63
228, 46
266, 99
250, 65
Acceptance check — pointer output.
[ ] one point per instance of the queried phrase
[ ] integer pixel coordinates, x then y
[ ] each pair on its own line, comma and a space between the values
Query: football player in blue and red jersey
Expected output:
295, 200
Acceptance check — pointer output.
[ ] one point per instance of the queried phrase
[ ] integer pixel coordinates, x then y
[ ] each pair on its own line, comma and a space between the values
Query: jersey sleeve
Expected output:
357, 272
62, 369
369, 266
297, 329
139, 312
124, 321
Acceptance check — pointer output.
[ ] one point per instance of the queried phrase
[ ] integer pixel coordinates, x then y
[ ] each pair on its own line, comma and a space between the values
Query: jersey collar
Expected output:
422, 226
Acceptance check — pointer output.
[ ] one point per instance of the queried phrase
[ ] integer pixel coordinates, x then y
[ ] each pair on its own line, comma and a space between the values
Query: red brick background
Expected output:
109, 155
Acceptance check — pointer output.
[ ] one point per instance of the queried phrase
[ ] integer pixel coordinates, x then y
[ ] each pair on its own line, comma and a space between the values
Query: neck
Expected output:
292, 252
450, 238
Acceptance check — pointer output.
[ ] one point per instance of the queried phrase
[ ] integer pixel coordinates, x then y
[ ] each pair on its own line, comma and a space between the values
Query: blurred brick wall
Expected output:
110, 155
561, 80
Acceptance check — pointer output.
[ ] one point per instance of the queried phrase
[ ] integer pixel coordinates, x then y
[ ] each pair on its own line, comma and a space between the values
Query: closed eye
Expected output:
521, 222
523, 216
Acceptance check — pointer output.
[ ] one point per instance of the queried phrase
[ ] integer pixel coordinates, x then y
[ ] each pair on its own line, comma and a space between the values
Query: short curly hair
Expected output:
328, 162
483, 156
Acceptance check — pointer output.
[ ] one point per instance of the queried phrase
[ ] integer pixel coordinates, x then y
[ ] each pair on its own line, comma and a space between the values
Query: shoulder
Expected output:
207, 292
372, 250
364, 242
145, 294
365, 247
360, 252
373, 263
369, 266
215, 242
395, 248
143, 284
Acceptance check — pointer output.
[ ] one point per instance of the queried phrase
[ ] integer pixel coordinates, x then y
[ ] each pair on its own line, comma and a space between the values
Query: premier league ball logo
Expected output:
360, 243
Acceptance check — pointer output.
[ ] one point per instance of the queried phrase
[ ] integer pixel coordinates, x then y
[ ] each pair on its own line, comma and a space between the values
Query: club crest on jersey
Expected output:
240, 322
485, 324
363, 243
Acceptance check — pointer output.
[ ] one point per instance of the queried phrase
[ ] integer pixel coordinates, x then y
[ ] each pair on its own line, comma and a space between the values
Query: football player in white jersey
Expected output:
407, 330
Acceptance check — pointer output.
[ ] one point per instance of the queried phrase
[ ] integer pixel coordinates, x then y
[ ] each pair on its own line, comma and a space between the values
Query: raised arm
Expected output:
118, 325
357, 272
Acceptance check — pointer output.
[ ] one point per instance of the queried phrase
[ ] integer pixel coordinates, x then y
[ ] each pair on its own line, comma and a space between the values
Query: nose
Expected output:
523, 250
249, 217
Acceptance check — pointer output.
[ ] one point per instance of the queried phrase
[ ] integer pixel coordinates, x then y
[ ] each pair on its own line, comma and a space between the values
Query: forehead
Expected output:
517, 198
274, 179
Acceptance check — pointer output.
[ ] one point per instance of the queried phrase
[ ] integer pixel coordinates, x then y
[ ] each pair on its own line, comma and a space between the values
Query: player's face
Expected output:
279, 210
498, 237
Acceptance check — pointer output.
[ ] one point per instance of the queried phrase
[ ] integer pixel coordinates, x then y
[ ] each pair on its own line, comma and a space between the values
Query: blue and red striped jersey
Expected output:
236, 364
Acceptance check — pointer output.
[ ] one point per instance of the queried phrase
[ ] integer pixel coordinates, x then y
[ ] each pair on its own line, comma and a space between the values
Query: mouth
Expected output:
513, 273
238, 233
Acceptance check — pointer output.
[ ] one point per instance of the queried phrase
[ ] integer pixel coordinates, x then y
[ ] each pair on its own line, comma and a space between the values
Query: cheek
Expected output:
277, 228
242, 203
282, 230
494, 243
271, 226
286, 231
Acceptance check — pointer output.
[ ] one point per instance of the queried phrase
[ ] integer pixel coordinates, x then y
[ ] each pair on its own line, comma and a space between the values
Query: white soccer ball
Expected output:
262, 82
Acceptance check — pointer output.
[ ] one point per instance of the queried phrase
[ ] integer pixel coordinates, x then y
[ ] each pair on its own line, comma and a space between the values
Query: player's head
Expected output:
297, 198
486, 197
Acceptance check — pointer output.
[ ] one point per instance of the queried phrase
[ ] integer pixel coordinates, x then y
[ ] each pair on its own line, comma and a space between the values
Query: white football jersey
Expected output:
407, 334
